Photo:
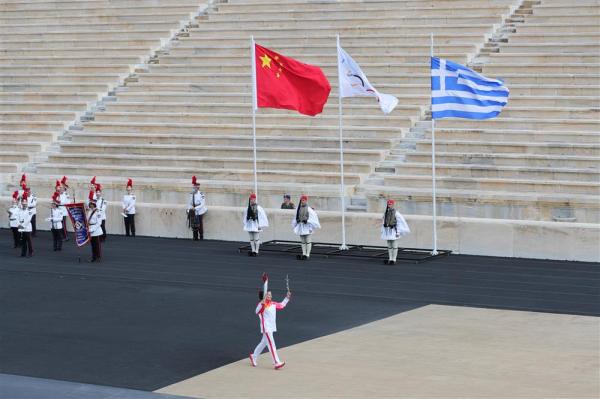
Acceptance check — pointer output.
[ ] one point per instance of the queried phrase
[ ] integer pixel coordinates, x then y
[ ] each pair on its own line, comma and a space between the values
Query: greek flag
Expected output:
458, 92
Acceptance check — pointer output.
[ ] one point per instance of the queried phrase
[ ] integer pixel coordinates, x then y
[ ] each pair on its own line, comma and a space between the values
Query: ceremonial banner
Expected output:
354, 83
79, 221
459, 92
283, 82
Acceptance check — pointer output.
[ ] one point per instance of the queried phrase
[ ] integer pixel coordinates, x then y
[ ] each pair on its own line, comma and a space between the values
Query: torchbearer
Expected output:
255, 220
101, 205
13, 219
129, 209
25, 228
393, 226
94, 223
56, 220
196, 209
305, 222
267, 313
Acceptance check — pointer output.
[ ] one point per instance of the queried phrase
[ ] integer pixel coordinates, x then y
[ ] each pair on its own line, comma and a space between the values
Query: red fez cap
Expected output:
304, 197
253, 196
391, 202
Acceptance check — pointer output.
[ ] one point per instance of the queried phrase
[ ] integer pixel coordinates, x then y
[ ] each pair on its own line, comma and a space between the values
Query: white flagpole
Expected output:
434, 251
254, 107
342, 190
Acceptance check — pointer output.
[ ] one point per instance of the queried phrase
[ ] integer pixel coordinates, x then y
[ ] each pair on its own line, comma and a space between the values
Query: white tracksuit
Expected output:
267, 313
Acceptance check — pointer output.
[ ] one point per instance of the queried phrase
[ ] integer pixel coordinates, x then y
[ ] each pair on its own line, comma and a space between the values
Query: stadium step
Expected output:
296, 176
556, 162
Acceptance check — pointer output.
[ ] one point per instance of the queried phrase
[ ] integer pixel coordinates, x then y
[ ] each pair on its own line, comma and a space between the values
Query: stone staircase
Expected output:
188, 112
59, 59
540, 160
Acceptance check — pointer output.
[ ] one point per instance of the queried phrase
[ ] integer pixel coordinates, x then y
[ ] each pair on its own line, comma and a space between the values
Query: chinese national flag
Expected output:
283, 82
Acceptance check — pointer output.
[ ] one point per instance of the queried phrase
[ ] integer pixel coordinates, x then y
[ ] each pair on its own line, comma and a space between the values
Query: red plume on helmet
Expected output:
93, 181
24, 186
24, 196
57, 185
130, 183
15, 195
195, 181
91, 195
98, 187
56, 198
23, 179
63, 181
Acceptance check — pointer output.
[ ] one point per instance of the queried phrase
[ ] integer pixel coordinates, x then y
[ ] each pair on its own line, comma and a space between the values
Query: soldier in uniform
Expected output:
255, 220
393, 226
196, 209
94, 224
287, 202
64, 200
13, 219
129, 209
56, 220
101, 205
31, 203
304, 224
25, 228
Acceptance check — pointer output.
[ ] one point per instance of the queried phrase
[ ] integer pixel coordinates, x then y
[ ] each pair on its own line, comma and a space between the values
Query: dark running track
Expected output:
157, 311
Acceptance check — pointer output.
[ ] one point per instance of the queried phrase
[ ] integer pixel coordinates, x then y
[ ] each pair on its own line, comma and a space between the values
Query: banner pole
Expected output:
254, 106
434, 205
342, 188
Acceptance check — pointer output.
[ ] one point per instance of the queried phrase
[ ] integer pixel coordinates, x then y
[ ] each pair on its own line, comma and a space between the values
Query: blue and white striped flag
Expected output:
458, 92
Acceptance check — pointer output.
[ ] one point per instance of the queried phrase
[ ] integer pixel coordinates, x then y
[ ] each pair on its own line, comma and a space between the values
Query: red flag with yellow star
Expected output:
283, 82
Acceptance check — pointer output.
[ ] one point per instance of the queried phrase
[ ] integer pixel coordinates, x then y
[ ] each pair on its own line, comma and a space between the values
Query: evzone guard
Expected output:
254, 220
267, 314
129, 209
304, 224
94, 224
393, 226
13, 219
196, 209
56, 221
25, 228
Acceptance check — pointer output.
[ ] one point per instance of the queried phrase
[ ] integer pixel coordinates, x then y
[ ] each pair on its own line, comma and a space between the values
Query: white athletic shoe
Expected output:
252, 360
279, 365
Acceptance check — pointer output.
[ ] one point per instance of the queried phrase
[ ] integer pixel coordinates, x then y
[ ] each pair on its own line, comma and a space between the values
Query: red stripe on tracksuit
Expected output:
262, 320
